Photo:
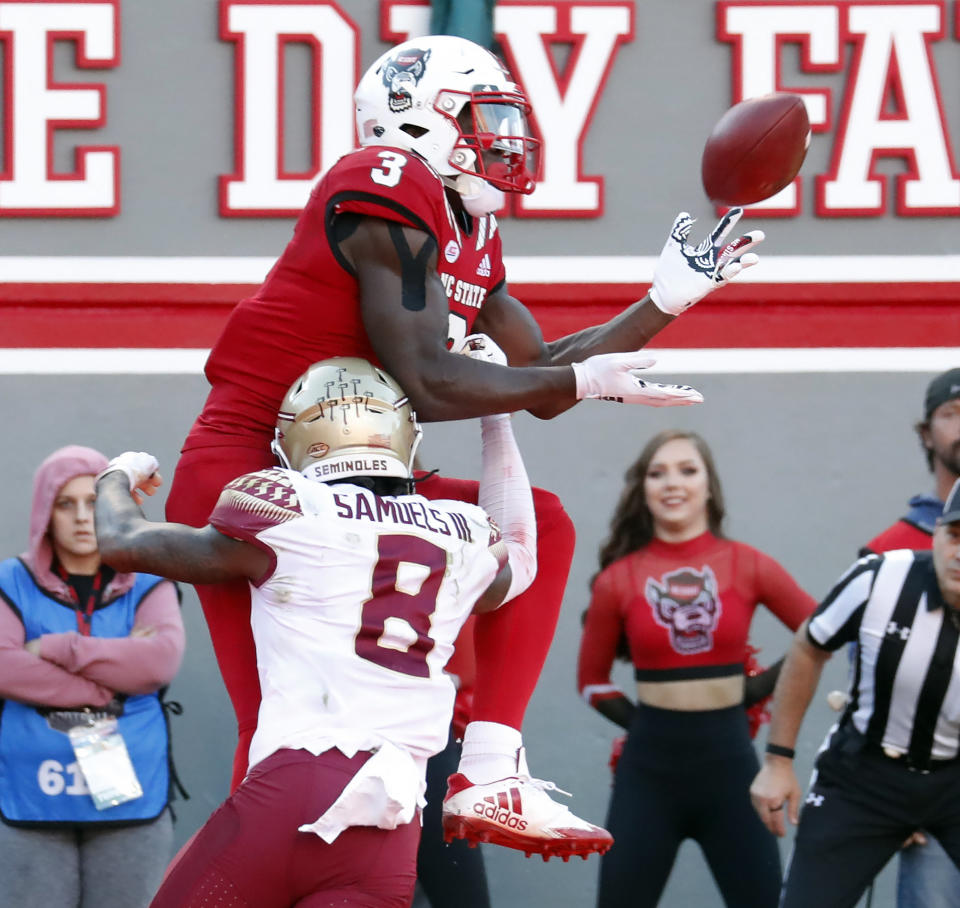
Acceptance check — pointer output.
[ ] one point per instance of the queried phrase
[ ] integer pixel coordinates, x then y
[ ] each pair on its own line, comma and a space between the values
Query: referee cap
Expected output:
943, 388
951, 510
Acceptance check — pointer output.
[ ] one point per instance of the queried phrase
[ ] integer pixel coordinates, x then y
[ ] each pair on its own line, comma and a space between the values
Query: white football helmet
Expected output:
346, 417
453, 103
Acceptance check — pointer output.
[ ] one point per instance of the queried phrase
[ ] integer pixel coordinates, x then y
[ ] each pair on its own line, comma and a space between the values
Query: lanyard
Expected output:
85, 615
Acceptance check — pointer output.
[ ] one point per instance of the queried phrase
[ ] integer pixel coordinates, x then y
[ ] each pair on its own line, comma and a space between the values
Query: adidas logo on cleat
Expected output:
500, 813
517, 813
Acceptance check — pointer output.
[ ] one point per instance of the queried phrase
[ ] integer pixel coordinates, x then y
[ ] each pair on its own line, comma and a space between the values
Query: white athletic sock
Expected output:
490, 752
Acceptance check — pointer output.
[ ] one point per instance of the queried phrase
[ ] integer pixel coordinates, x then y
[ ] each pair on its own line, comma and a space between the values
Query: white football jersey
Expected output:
357, 617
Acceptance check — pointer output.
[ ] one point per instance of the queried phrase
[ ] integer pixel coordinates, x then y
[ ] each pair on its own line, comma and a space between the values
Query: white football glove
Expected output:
613, 376
483, 348
685, 274
141, 472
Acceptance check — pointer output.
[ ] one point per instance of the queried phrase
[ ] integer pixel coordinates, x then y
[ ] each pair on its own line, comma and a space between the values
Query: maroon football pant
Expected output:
511, 642
250, 852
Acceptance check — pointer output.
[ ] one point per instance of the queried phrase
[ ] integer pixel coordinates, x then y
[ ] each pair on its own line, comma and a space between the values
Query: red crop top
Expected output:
686, 609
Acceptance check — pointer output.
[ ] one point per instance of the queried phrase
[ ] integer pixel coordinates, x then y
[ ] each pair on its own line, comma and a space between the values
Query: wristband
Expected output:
779, 751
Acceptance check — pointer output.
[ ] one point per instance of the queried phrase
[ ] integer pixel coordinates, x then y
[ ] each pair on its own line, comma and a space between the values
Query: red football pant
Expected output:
250, 851
511, 642
198, 480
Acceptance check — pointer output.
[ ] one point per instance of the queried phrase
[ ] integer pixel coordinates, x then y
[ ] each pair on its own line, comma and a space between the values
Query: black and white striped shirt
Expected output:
905, 690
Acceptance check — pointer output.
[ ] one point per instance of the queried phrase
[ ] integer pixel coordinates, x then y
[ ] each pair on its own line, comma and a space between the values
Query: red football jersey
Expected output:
308, 308
686, 609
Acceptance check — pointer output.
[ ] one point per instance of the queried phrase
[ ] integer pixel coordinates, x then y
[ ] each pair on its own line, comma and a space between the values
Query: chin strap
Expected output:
479, 197
278, 452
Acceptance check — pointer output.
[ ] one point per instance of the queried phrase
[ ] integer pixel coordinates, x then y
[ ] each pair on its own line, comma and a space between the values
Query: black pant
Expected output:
687, 775
860, 809
451, 876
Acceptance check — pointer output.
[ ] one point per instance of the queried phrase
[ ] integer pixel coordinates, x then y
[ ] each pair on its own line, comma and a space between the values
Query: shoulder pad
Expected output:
388, 183
255, 501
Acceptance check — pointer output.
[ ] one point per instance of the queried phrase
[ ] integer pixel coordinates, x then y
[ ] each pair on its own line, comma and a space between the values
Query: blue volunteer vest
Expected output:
40, 781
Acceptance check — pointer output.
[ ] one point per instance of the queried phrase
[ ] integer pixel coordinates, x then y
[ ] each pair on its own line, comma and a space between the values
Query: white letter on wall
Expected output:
892, 59
563, 104
36, 106
258, 186
758, 33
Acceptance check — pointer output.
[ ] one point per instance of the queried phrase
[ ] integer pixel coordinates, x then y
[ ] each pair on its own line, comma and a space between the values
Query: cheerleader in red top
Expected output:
683, 597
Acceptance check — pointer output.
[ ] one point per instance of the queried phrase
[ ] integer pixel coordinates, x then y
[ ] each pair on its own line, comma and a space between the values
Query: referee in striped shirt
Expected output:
891, 765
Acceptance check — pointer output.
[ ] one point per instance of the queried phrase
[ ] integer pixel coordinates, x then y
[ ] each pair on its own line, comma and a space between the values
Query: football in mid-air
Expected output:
755, 149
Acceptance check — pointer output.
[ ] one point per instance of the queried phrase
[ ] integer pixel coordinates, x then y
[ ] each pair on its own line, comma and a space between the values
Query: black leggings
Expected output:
687, 775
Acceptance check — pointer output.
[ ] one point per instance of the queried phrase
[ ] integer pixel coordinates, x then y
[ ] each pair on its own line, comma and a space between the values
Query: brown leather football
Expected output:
755, 149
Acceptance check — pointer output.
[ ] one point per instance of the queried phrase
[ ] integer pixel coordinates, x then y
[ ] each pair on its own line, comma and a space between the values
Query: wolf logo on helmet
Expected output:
404, 69
346, 417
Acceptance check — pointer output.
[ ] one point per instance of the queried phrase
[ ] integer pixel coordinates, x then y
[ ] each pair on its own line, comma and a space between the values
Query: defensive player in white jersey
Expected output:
359, 589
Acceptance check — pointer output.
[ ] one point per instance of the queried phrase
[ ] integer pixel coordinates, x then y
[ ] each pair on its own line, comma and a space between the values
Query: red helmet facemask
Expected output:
494, 141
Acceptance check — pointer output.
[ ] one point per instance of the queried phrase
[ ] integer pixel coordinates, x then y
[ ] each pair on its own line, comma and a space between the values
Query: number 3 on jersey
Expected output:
390, 171
401, 605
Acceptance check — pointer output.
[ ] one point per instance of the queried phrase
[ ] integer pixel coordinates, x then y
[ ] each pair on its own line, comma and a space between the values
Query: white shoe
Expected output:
517, 812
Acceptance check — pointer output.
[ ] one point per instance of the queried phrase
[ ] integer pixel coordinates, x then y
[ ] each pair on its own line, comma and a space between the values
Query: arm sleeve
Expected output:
780, 593
31, 679
598, 645
505, 495
133, 665
837, 619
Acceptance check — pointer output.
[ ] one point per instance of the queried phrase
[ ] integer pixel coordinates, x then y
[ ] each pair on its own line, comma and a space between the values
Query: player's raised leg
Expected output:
511, 647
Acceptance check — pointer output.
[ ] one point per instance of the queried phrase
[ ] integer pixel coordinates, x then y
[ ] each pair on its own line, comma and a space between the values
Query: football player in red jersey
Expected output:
397, 258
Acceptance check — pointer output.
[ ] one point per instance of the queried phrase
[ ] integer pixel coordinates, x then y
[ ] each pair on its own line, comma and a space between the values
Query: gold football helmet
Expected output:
346, 417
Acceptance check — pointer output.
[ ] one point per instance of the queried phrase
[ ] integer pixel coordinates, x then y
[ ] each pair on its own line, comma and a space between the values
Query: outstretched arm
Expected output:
505, 318
684, 274
406, 317
130, 542
504, 493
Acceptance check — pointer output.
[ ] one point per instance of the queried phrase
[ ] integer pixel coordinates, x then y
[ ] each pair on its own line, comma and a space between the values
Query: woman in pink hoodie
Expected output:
84, 752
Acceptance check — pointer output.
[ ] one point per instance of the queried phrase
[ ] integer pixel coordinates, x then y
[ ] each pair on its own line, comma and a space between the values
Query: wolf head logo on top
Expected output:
401, 73
686, 603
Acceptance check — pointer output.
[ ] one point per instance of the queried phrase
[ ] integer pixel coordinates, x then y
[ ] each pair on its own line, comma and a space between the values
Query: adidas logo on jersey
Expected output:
503, 810
483, 269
